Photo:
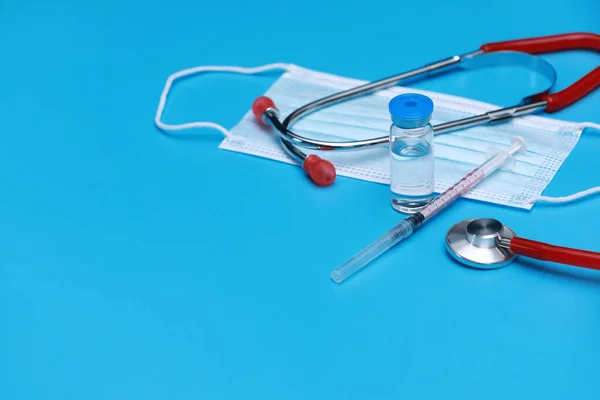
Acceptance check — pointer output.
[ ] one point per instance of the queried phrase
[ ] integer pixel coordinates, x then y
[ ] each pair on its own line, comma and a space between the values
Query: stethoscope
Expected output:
486, 243
512, 52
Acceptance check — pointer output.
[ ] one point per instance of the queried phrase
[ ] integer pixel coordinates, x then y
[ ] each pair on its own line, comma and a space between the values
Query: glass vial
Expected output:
411, 152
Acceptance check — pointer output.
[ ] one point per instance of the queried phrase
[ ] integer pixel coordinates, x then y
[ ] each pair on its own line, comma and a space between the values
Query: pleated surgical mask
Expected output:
549, 141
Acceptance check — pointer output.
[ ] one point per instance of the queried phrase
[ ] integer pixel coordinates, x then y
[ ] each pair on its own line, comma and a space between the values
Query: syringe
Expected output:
409, 225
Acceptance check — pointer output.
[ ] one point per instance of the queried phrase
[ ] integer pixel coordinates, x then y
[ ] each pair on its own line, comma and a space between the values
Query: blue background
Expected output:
136, 265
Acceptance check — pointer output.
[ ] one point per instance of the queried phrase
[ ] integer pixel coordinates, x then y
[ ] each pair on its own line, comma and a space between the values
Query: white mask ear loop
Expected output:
197, 70
566, 199
575, 196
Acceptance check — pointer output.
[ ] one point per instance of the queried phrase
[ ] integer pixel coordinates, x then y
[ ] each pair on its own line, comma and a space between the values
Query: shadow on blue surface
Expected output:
557, 270
562, 271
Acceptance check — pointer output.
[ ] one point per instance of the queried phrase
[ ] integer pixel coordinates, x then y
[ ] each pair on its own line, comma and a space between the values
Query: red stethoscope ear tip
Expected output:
322, 172
260, 105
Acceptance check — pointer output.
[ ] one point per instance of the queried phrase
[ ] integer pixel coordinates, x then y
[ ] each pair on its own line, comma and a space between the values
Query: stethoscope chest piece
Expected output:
477, 243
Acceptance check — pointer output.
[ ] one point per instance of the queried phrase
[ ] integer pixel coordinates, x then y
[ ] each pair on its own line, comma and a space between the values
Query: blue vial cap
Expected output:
411, 110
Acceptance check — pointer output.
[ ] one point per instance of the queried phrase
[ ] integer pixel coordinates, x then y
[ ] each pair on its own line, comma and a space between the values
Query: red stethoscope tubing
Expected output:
548, 252
548, 44
556, 101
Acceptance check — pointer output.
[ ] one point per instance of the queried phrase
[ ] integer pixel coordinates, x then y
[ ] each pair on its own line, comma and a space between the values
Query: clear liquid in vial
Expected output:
411, 171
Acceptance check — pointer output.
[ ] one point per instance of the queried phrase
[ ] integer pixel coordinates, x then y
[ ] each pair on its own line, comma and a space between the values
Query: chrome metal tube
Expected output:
504, 242
290, 139
313, 144
473, 60
489, 117
292, 150
439, 66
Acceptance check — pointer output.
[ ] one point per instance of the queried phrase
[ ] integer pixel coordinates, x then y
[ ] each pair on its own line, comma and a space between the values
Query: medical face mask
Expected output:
549, 141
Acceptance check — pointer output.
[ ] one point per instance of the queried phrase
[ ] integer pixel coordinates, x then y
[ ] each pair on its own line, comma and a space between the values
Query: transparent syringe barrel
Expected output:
453, 192
472, 178
396, 234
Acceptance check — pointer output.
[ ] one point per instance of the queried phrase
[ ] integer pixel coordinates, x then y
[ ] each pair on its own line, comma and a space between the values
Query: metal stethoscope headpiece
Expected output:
486, 243
481, 243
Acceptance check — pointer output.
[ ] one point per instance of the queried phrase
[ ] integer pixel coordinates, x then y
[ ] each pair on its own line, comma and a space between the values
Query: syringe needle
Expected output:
401, 231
